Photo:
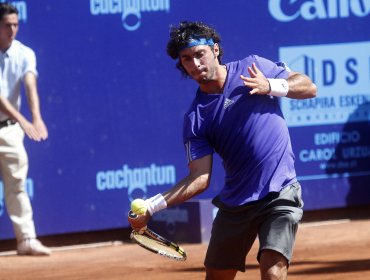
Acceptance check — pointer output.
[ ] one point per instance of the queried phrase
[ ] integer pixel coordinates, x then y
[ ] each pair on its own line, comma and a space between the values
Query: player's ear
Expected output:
216, 50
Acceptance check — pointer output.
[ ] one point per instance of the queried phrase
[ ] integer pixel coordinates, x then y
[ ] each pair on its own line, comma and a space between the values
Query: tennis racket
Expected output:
157, 244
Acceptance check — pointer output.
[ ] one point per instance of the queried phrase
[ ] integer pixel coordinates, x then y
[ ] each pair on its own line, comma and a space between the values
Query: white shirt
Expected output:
14, 64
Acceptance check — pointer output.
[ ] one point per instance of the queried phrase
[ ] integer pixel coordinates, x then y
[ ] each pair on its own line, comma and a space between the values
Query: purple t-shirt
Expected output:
248, 132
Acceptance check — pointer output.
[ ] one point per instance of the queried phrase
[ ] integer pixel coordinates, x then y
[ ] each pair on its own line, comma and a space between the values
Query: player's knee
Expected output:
273, 265
274, 273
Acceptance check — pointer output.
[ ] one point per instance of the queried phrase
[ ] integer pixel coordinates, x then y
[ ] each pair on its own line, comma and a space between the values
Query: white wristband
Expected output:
155, 204
279, 87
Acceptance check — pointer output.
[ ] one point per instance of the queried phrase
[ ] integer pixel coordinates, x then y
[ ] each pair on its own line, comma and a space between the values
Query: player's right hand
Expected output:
139, 222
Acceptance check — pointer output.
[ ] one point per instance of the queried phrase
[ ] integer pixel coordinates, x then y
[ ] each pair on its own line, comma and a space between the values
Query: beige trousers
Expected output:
14, 168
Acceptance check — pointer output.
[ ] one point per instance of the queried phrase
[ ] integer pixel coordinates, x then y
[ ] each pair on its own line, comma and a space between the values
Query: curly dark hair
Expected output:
181, 36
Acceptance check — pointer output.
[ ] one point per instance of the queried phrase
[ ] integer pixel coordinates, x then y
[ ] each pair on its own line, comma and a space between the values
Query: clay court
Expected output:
335, 249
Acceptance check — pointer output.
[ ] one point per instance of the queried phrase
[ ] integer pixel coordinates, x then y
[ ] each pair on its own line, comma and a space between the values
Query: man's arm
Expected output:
300, 86
33, 100
195, 183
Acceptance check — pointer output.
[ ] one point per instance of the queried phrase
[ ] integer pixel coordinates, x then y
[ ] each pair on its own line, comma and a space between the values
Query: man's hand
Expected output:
140, 221
30, 130
257, 81
40, 126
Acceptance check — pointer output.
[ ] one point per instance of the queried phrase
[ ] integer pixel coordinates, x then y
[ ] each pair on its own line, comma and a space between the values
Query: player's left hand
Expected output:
257, 81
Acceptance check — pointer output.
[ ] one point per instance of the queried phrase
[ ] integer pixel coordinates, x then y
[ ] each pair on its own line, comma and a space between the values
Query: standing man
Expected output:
236, 113
17, 64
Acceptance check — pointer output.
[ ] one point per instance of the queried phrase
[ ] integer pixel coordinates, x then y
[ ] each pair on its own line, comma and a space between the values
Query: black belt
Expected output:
7, 122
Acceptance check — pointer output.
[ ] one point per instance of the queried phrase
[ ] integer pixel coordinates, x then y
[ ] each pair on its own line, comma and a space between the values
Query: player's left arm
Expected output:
30, 84
300, 86
296, 86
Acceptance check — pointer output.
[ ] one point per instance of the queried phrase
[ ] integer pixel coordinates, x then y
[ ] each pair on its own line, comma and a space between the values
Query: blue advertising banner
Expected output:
114, 101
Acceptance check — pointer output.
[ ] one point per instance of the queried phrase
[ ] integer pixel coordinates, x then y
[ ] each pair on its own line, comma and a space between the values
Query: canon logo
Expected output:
289, 10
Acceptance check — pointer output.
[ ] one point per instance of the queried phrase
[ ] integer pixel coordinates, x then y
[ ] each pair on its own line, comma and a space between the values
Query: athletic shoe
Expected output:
32, 247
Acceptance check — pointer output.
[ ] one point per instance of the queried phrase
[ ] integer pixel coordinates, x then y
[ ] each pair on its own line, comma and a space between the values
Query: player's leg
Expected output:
232, 238
278, 231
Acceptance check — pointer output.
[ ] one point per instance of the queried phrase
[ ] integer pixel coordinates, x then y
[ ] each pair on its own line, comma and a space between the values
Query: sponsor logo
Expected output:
21, 7
136, 179
29, 188
289, 10
341, 73
171, 217
175, 220
228, 102
130, 10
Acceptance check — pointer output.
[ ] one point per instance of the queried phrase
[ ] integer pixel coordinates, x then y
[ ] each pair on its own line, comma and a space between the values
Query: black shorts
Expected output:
274, 219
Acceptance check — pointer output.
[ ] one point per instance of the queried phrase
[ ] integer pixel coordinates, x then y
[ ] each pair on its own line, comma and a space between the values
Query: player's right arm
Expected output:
196, 182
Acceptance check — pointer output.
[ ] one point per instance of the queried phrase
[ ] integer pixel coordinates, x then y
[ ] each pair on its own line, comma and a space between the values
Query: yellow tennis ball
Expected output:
138, 206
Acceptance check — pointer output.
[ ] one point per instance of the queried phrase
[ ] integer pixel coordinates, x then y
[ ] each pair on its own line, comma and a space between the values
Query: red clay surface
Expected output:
333, 250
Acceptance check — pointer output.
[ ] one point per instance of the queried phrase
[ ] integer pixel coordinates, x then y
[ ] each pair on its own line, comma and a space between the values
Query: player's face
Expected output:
200, 62
8, 30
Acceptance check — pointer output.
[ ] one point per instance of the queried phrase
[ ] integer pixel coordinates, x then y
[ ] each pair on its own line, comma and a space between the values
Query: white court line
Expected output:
325, 223
72, 247
86, 246
114, 243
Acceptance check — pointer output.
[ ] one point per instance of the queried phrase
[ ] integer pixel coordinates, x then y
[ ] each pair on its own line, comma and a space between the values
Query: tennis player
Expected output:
236, 114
